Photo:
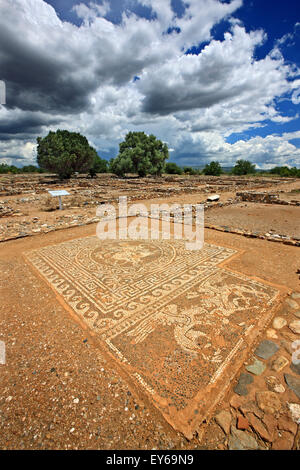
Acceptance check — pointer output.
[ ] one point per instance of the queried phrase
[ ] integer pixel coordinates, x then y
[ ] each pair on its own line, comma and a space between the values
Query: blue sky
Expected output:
216, 80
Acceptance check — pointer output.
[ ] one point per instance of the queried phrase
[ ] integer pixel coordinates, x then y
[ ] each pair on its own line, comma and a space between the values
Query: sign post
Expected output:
2, 92
59, 193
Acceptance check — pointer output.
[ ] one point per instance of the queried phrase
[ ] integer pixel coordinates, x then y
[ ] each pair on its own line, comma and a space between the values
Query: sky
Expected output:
217, 80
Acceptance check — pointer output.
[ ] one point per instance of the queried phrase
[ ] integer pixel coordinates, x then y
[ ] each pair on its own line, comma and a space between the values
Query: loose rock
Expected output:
295, 326
236, 402
295, 368
284, 442
250, 407
266, 349
257, 368
240, 440
271, 333
287, 345
268, 402
271, 424
259, 428
279, 323
241, 387
280, 363
287, 424
242, 423
293, 383
274, 384
295, 412
224, 420
292, 304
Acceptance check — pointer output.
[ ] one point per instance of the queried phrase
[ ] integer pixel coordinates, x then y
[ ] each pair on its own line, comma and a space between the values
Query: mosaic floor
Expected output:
173, 319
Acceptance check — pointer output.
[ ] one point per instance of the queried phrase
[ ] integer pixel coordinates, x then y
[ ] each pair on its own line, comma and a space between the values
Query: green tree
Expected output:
243, 167
285, 171
30, 169
121, 165
63, 152
190, 171
4, 168
141, 154
172, 168
212, 168
99, 166
12, 169
295, 172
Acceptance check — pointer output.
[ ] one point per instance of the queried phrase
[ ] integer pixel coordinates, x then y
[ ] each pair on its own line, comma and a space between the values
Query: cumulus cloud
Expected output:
104, 78
265, 152
89, 13
223, 71
15, 153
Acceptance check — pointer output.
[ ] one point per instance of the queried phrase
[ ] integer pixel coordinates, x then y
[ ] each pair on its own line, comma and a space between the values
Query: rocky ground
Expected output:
272, 221
263, 409
59, 391
26, 207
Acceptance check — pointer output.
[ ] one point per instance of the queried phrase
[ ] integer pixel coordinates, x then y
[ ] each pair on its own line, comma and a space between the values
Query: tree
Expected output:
99, 166
63, 152
173, 169
30, 169
121, 165
190, 171
243, 167
141, 154
5, 168
285, 171
212, 168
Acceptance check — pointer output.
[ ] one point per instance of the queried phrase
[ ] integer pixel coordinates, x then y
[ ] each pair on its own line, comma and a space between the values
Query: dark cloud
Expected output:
37, 80
28, 123
166, 101
59, 76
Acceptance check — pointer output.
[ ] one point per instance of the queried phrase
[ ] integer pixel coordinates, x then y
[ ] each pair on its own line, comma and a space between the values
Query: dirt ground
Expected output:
27, 208
263, 218
61, 390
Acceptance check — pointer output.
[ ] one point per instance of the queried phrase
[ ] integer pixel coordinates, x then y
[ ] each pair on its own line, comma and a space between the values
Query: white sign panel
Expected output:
60, 192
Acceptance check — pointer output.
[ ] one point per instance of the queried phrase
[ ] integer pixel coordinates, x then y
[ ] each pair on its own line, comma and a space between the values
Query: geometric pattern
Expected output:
172, 318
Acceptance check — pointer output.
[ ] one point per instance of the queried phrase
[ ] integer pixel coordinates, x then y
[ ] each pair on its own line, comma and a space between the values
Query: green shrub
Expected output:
172, 168
213, 168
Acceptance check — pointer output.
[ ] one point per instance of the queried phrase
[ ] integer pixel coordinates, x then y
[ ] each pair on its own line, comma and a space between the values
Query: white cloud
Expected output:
14, 152
91, 12
266, 152
82, 78
225, 71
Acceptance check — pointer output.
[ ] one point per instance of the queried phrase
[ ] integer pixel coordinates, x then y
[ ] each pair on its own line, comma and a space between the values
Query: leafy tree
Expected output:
172, 168
141, 154
190, 171
212, 168
30, 169
121, 165
295, 172
285, 171
4, 168
63, 152
99, 166
243, 167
